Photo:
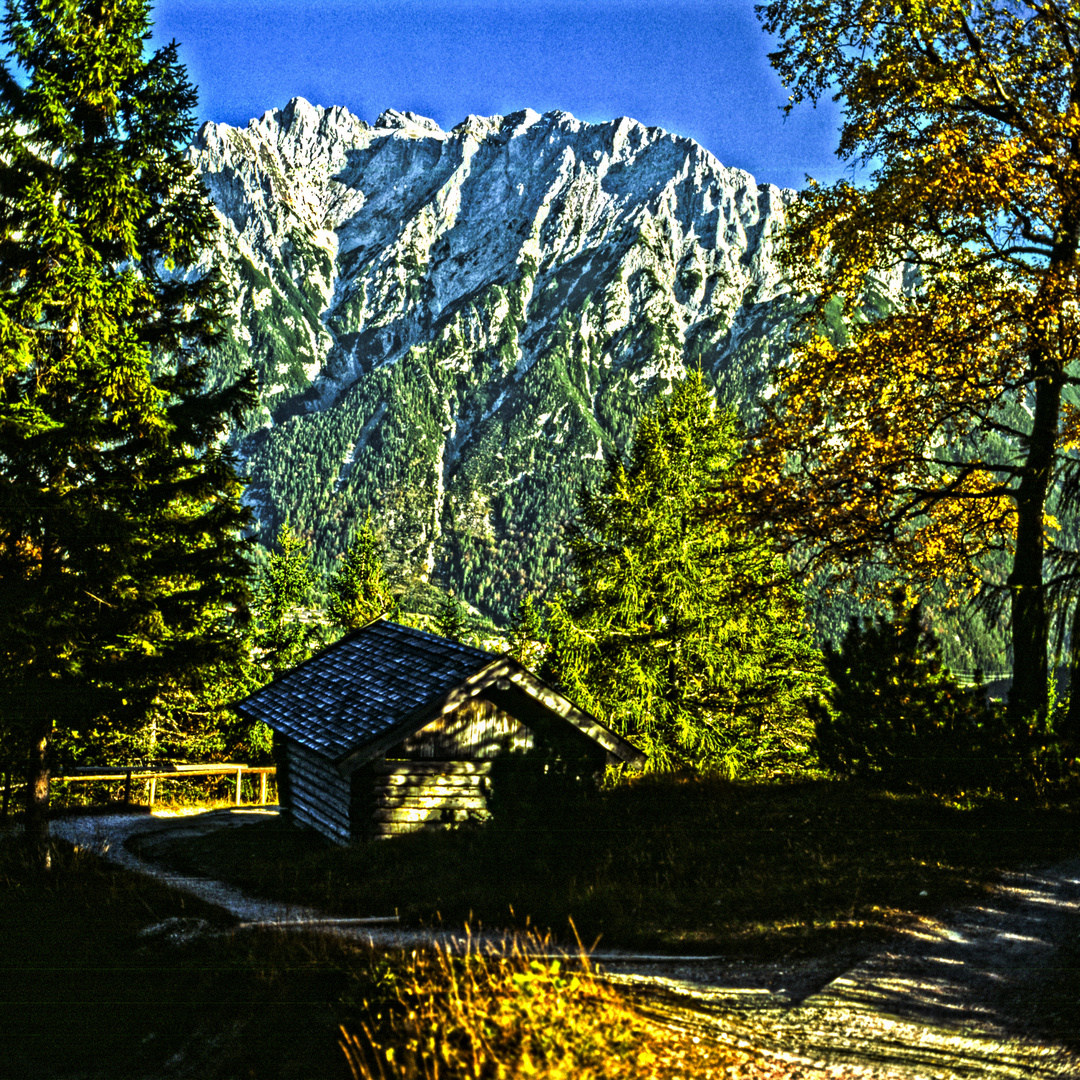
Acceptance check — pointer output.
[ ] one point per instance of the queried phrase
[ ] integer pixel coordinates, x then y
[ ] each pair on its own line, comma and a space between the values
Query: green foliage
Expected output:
284, 597
450, 619
685, 636
357, 592
527, 634
121, 549
896, 717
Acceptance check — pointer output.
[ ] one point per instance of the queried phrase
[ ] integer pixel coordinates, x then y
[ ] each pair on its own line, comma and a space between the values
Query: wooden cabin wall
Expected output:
478, 730
408, 796
318, 795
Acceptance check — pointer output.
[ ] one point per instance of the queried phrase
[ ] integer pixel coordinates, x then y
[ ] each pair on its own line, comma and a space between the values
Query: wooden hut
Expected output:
391, 729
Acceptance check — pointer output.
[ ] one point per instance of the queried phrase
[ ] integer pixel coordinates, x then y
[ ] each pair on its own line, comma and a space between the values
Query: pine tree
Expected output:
121, 557
685, 636
358, 592
450, 619
284, 598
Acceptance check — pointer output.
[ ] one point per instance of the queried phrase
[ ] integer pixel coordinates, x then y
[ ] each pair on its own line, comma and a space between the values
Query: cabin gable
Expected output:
476, 730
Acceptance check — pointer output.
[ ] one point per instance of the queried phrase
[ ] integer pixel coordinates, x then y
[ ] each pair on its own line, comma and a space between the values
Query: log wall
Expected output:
477, 731
412, 795
318, 795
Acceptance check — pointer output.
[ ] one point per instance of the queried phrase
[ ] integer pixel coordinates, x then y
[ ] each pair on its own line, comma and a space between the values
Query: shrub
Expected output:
896, 715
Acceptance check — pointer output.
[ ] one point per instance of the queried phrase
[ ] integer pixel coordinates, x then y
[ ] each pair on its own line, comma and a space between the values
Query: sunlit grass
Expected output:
514, 1010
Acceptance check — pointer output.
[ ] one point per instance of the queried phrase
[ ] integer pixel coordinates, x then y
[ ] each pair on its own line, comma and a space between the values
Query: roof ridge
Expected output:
382, 621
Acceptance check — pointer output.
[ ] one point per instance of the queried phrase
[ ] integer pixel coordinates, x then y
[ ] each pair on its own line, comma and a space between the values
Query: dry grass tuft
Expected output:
518, 1010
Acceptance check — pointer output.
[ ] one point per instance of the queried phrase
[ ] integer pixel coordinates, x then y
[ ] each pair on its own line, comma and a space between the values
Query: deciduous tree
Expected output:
946, 430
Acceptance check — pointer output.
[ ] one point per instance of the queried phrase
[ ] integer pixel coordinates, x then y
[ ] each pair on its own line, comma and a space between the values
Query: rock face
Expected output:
453, 328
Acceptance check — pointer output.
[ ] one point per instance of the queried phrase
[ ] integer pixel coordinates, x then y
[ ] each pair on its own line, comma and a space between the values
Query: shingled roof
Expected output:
381, 683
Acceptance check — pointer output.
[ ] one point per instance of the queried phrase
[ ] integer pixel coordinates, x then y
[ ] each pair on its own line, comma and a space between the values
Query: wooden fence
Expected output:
125, 775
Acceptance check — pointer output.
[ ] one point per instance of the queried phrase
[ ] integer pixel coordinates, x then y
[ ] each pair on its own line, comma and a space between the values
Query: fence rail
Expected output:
126, 774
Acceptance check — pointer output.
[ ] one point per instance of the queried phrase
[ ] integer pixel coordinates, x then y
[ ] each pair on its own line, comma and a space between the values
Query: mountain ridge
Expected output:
454, 328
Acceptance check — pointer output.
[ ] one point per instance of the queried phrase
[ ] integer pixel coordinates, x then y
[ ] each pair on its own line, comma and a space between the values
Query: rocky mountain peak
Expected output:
454, 328
391, 118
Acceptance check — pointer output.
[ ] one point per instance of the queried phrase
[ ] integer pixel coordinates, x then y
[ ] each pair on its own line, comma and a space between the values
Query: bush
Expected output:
896, 716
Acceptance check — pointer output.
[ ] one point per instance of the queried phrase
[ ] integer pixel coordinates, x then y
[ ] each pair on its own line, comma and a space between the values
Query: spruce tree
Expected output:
288, 631
450, 619
681, 632
895, 716
121, 556
526, 634
358, 592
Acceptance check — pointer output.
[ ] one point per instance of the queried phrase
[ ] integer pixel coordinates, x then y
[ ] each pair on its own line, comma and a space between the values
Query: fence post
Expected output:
127, 788
7, 795
153, 789
239, 776
262, 789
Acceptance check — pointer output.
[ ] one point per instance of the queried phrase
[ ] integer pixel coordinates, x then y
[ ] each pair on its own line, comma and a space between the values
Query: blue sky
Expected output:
695, 67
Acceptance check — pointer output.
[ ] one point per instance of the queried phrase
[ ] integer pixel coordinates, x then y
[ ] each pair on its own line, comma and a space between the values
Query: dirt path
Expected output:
938, 1002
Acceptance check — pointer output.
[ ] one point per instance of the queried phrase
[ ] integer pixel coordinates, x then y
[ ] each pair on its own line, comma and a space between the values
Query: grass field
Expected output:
759, 870
763, 871
86, 992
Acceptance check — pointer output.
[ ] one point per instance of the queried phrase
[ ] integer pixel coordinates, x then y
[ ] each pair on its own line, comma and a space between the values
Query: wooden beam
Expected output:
555, 703
431, 802
400, 780
403, 768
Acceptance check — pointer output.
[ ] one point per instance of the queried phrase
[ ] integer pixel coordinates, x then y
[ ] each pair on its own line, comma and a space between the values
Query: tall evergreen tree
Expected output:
358, 592
526, 634
288, 630
450, 619
687, 637
895, 715
121, 557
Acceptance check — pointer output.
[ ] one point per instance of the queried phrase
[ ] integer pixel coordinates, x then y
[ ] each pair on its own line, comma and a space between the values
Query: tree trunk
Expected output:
37, 796
1030, 617
1069, 732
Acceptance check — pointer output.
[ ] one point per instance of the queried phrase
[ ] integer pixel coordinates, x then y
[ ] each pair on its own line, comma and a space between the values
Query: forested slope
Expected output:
453, 328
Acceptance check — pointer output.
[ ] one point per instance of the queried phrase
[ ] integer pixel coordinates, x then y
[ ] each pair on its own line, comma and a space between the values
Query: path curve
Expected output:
934, 1003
